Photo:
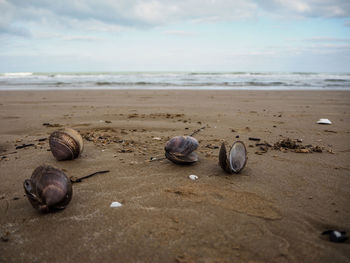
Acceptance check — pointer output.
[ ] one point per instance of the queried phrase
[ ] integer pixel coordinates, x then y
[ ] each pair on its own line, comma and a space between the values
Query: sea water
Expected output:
175, 80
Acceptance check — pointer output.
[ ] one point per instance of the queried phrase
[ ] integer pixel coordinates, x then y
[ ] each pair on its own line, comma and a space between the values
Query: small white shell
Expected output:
193, 177
115, 204
324, 121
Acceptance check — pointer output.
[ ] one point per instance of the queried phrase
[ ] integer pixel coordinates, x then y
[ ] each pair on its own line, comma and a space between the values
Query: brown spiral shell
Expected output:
48, 189
236, 160
180, 150
66, 144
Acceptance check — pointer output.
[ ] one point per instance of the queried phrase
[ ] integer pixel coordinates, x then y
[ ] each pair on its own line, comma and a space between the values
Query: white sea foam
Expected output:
17, 74
175, 80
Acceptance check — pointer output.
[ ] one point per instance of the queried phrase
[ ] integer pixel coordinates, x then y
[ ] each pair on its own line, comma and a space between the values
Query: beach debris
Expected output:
197, 131
157, 138
303, 150
330, 151
105, 136
324, 121
263, 147
115, 204
80, 179
153, 159
236, 160
212, 146
66, 144
294, 145
51, 125
265, 143
336, 236
184, 259
5, 236
48, 189
193, 177
42, 139
254, 139
330, 131
24, 146
180, 150
108, 121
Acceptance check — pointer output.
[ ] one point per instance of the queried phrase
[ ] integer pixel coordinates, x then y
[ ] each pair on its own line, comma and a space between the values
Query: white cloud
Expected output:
327, 39
115, 15
108, 15
309, 8
80, 38
179, 33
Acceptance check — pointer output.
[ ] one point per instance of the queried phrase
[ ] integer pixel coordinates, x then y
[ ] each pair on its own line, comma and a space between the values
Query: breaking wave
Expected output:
174, 80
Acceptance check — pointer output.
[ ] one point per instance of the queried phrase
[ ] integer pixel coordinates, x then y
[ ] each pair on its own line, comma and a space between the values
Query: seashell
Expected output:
324, 121
336, 236
48, 189
180, 150
236, 160
66, 144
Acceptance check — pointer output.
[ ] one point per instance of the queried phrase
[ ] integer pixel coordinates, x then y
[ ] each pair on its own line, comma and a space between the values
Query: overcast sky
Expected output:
174, 35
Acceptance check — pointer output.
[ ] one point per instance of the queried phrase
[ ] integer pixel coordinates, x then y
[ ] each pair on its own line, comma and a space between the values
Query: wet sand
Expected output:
273, 211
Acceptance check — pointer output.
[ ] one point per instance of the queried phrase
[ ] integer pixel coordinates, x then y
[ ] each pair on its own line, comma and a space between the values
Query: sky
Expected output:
175, 35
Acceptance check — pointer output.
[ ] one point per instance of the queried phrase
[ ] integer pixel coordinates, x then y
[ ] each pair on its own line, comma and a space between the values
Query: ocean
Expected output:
175, 80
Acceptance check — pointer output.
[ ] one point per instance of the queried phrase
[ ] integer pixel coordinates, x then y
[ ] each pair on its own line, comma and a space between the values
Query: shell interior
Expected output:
237, 157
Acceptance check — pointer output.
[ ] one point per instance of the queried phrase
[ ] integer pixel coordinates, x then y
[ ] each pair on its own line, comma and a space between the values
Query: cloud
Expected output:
80, 38
20, 17
112, 15
327, 39
307, 8
179, 33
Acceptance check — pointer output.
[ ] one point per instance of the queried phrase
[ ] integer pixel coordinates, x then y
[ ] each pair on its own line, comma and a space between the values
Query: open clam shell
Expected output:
66, 144
236, 160
180, 150
48, 189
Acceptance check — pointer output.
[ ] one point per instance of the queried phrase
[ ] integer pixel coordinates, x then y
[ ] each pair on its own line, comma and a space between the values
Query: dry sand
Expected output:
273, 211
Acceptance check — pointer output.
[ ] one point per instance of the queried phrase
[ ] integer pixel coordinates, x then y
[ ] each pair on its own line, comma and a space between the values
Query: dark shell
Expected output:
66, 144
336, 236
48, 189
180, 150
236, 160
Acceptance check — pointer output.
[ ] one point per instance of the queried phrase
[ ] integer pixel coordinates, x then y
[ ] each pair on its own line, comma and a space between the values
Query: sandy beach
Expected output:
273, 211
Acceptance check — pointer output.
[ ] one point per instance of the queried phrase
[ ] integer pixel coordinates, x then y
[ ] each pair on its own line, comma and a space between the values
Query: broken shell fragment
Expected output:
66, 144
235, 161
180, 150
48, 189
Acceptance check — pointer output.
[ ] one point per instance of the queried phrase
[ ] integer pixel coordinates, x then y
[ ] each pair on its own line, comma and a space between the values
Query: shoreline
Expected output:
273, 211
